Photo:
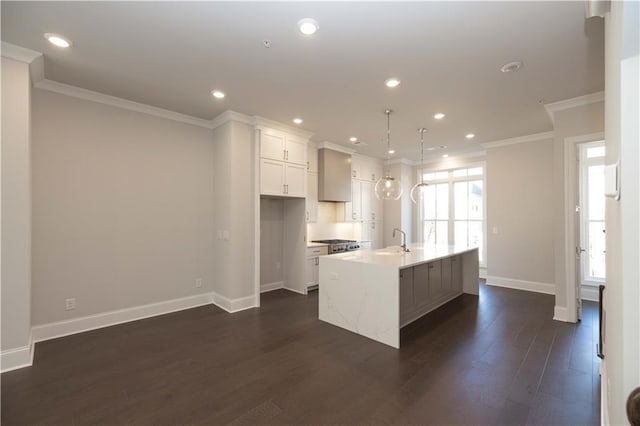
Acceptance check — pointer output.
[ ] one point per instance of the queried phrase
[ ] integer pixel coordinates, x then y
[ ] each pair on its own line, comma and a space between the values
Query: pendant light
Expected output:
419, 189
388, 188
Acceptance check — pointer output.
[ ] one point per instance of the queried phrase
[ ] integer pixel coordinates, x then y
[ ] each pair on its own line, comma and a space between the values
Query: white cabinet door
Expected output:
296, 151
356, 201
272, 145
356, 167
312, 197
366, 192
311, 272
296, 180
272, 177
312, 159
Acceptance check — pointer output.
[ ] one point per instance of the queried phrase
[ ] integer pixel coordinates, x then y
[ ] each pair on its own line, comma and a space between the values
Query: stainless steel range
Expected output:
340, 246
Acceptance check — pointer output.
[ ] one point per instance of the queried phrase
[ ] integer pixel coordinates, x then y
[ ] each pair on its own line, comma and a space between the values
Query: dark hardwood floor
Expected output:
499, 359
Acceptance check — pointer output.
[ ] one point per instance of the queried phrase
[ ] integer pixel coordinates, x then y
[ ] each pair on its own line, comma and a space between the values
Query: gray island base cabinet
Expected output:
375, 293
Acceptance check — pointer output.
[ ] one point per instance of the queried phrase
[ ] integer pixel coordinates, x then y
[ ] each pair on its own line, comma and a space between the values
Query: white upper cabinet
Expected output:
283, 164
296, 150
276, 145
312, 197
272, 145
312, 159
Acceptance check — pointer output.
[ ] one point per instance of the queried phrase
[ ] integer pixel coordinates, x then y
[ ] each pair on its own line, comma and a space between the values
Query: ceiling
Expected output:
447, 55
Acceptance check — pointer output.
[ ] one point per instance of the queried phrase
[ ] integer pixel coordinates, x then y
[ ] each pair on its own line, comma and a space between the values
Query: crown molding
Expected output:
265, 123
89, 95
335, 147
402, 161
554, 107
520, 139
229, 115
18, 53
439, 159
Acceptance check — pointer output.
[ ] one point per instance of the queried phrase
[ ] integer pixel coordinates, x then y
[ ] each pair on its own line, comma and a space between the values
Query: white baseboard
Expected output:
234, 305
560, 313
271, 286
482, 273
537, 287
15, 358
295, 290
590, 293
106, 319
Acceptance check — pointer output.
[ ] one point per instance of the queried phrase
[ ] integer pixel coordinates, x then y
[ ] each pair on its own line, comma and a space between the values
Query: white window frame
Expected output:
450, 180
584, 164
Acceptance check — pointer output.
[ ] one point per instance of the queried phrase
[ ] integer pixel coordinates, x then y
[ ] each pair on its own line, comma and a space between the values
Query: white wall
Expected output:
271, 235
234, 175
520, 205
573, 122
16, 211
622, 295
122, 209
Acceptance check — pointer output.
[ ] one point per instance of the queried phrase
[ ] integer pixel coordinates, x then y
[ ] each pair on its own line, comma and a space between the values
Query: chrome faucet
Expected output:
403, 240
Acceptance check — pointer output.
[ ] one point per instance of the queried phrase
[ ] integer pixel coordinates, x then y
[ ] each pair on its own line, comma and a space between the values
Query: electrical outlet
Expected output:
70, 304
277, 265
198, 282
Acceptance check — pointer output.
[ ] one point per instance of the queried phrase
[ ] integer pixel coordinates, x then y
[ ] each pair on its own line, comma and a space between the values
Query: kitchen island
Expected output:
375, 293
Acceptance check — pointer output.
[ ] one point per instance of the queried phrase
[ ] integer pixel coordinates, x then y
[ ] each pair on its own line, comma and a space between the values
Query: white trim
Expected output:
590, 293
335, 147
554, 107
256, 215
229, 115
234, 305
604, 391
15, 358
519, 139
271, 286
537, 287
560, 313
89, 95
18, 53
402, 161
296, 291
107, 319
265, 123
453, 157
570, 237
482, 272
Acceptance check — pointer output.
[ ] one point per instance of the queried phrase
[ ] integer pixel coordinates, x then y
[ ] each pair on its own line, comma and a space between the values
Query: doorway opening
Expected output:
591, 219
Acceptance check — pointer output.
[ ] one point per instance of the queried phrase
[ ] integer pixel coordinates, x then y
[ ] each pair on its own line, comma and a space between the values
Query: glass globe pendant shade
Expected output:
388, 188
418, 192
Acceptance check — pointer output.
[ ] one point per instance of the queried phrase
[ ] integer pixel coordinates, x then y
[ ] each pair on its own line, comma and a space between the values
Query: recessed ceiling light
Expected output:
392, 151
57, 40
297, 120
470, 136
308, 26
431, 148
445, 155
218, 94
353, 139
438, 116
511, 66
392, 82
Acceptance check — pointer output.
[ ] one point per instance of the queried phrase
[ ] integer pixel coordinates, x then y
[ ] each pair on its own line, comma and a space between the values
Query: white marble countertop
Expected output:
394, 257
310, 245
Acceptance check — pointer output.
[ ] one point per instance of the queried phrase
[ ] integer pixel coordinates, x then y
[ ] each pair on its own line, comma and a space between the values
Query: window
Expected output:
592, 201
453, 208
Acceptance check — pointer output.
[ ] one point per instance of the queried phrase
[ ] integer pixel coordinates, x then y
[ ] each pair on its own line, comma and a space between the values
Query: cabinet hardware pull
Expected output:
307, 165
317, 260
432, 266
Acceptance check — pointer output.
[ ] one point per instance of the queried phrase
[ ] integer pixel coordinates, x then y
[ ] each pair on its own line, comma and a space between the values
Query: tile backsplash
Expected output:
327, 227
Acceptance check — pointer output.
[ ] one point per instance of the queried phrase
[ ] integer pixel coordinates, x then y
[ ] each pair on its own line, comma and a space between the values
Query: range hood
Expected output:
334, 176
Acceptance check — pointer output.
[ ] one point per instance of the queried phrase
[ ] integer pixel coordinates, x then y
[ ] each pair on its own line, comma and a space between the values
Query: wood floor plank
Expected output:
496, 359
